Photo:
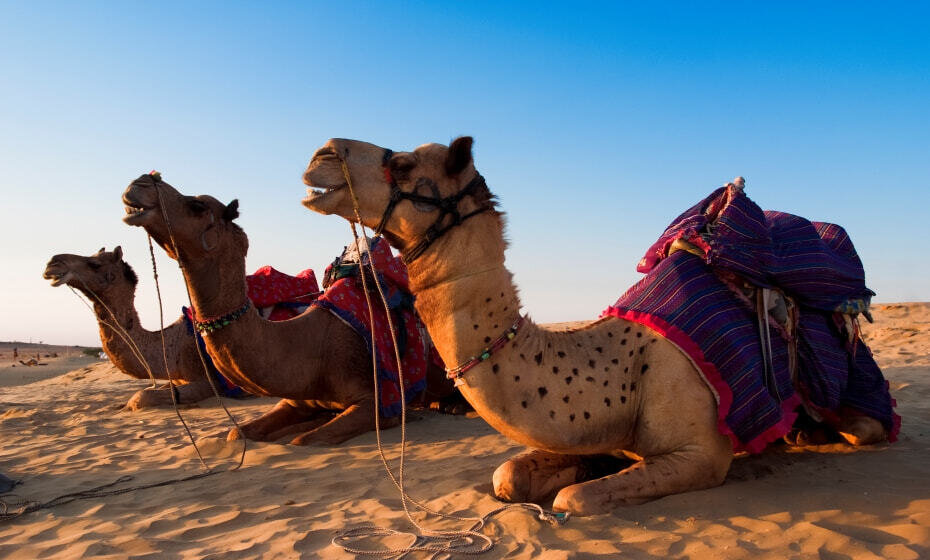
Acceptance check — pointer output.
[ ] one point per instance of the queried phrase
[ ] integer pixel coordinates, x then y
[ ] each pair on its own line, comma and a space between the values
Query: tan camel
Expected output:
315, 362
611, 387
110, 283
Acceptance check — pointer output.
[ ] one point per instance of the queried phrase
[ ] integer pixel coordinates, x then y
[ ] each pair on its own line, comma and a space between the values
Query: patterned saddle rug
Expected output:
344, 297
765, 304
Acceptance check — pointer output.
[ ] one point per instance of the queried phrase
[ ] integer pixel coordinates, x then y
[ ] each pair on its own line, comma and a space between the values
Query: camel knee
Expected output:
511, 482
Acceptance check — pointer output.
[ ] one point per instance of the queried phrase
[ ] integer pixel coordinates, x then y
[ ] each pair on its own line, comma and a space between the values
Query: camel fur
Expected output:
610, 387
110, 284
316, 363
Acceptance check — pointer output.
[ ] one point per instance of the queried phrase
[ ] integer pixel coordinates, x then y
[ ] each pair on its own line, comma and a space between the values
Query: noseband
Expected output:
447, 206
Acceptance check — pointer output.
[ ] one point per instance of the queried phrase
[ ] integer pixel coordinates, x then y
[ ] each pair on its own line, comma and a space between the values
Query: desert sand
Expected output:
65, 432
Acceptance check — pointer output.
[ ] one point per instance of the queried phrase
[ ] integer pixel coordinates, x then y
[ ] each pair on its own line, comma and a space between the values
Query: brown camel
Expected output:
529, 387
110, 283
315, 362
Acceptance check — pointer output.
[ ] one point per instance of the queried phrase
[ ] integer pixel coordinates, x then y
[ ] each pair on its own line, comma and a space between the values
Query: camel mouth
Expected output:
57, 276
136, 213
325, 181
317, 195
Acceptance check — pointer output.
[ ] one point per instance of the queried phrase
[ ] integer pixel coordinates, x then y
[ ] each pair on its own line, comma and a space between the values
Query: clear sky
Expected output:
596, 124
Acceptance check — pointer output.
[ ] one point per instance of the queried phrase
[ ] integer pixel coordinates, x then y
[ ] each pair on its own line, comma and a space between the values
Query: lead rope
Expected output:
203, 361
442, 544
116, 327
29, 506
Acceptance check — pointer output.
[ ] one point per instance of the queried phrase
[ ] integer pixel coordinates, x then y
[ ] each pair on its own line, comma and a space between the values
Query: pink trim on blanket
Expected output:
714, 379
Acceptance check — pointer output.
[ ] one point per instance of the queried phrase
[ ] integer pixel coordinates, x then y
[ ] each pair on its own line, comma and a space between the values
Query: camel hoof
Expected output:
862, 430
511, 483
579, 500
802, 438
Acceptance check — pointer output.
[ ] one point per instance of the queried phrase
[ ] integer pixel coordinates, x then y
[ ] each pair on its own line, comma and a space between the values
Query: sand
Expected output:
66, 433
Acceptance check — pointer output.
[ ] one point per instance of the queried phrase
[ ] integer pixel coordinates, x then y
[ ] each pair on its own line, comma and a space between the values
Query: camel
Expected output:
315, 362
612, 387
110, 283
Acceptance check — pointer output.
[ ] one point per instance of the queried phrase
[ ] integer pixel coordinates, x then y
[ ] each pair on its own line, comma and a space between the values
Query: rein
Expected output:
447, 206
469, 541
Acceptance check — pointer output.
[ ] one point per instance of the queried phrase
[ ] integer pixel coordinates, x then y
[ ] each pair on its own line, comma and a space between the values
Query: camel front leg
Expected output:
284, 414
679, 471
535, 475
157, 397
355, 420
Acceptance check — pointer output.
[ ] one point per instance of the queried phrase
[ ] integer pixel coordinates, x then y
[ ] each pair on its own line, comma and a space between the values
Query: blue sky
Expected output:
595, 124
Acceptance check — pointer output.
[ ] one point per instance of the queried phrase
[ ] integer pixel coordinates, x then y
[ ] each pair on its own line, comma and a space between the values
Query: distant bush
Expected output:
92, 352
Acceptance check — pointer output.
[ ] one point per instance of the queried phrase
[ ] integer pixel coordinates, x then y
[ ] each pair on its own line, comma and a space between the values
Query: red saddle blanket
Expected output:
344, 297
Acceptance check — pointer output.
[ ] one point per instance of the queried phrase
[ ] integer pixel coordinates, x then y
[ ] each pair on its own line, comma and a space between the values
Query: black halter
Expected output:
448, 205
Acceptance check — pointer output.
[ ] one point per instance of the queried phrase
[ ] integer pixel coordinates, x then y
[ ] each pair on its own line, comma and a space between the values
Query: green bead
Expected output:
485, 356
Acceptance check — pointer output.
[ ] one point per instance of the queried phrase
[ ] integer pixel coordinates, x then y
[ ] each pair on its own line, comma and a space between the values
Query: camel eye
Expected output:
401, 165
94, 265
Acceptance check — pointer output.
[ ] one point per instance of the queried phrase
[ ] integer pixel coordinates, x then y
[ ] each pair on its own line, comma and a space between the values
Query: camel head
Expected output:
197, 225
100, 273
432, 172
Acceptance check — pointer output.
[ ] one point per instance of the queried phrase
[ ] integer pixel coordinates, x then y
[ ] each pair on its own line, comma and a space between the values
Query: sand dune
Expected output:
67, 433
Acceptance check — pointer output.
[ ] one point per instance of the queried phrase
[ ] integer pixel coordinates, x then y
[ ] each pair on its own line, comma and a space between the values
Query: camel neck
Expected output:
118, 320
217, 285
466, 304
543, 376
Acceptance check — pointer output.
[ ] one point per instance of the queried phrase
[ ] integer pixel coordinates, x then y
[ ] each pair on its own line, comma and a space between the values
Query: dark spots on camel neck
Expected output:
495, 368
542, 391
560, 354
538, 358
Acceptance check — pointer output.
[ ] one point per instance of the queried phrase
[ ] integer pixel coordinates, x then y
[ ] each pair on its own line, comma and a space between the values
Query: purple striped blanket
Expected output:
694, 298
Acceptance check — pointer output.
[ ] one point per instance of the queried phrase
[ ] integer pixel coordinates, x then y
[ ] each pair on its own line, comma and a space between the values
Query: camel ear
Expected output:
117, 253
459, 155
232, 210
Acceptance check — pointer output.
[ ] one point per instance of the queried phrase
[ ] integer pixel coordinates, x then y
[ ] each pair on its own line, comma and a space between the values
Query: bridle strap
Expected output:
448, 205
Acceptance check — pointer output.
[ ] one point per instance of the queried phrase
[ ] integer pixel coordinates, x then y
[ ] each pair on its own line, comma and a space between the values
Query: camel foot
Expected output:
454, 404
651, 478
801, 438
353, 421
160, 397
535, 476
284, 414
862, 430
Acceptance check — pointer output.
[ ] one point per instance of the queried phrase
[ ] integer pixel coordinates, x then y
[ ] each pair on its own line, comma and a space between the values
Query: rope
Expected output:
203, 361
29, 506
442, 544
116, 327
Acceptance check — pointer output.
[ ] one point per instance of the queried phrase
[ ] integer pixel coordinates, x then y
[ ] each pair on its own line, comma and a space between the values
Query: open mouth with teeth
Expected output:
321, 180
317, 194
135, 213
57, 275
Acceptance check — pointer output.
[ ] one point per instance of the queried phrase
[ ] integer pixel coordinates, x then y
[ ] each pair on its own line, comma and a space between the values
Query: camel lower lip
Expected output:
315, 194
136, 217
